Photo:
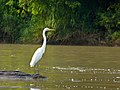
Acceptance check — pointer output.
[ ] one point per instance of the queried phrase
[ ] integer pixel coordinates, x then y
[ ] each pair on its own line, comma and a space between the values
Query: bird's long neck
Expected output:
44, 41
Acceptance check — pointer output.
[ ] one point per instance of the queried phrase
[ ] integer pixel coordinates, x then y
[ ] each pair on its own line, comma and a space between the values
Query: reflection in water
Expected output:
17, 87
11, 87
35, 89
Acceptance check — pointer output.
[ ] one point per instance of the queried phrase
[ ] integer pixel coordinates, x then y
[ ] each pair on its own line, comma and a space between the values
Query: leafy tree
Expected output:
88, 22
110, 22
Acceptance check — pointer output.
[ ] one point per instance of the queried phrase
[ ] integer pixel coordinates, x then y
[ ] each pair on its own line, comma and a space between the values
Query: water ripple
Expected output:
85, 70
91, 75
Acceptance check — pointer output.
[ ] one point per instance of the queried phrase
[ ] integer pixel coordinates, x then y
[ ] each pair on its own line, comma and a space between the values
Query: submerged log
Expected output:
19, 75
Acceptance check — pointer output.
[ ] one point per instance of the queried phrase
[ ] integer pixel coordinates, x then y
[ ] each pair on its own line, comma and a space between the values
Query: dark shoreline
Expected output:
99, 44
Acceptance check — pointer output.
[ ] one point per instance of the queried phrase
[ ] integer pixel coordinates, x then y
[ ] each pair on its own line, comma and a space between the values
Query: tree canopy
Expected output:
78, 22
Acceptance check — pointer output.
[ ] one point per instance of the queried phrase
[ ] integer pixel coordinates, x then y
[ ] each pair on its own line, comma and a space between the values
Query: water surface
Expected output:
67, 67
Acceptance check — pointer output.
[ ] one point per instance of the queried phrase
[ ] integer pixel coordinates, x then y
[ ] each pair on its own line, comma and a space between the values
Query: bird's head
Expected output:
48, 29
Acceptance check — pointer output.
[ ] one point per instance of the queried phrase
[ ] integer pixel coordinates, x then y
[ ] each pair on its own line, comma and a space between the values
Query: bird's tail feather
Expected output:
32, 64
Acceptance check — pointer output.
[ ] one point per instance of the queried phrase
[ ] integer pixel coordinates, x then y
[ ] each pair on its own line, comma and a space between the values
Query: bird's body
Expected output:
36, 57
40, 51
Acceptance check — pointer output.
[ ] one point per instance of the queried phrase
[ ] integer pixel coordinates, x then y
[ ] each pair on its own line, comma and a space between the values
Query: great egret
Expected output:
40, 51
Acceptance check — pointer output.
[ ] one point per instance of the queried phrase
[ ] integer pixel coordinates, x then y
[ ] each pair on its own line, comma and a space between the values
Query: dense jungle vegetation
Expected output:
77, 22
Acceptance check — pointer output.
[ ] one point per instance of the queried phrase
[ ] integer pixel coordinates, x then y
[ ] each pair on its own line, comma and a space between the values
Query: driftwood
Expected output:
19, 75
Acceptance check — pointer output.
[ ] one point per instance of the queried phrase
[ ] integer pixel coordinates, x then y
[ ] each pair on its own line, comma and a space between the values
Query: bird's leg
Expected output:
36, 69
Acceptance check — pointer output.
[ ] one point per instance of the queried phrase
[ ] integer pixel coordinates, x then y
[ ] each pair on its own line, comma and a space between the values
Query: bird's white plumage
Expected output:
36, 57
40, 51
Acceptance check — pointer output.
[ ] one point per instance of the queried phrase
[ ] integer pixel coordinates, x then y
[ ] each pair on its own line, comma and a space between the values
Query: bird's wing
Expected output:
36, 57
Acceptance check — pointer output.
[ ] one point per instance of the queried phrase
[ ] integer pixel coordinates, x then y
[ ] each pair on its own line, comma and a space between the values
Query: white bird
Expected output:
40, 51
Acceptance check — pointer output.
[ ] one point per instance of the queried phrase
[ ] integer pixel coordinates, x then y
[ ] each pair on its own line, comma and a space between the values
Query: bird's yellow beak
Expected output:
51, 29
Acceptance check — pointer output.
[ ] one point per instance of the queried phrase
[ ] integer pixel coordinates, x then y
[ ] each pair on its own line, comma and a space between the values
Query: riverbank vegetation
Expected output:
77, 22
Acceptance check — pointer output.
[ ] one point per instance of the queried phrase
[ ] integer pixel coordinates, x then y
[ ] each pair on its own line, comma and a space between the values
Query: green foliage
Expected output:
75, 21
110, 21
116, 35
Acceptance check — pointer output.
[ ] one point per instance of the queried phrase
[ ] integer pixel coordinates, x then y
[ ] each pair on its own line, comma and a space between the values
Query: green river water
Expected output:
66, 67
